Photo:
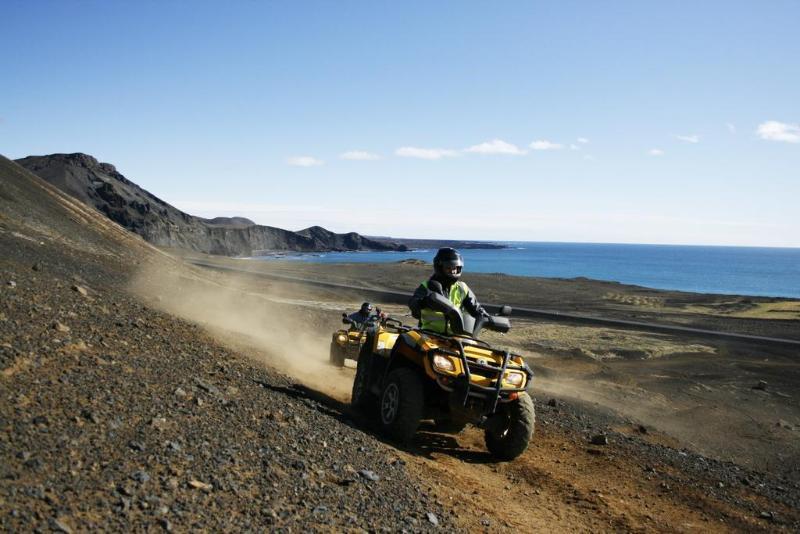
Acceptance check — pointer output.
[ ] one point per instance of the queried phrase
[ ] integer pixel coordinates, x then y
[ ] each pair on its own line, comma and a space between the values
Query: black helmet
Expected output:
445, 260
366, 307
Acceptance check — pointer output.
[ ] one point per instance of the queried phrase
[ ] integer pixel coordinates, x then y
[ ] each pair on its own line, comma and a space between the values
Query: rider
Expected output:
447, 267
361, 316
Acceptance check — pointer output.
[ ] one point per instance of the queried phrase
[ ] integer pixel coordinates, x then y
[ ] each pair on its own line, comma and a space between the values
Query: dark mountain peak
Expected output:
77, 159
314, 231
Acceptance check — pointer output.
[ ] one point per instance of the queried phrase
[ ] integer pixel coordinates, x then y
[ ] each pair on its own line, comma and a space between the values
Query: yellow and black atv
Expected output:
346, 344
409, 374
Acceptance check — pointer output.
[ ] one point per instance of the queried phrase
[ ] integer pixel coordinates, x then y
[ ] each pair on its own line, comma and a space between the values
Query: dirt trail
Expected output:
564, 483
558, 486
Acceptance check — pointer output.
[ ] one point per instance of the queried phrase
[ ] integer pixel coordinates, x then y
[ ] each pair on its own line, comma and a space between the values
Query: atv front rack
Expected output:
492, 393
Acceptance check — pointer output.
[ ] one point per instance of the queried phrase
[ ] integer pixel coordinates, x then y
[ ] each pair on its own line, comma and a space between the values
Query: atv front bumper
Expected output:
477, 382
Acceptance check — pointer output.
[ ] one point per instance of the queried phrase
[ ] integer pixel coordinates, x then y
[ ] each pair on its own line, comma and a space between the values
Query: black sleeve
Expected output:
472, 305
417, 301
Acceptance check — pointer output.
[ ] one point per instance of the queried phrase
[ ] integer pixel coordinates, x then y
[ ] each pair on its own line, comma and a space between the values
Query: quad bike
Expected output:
346, 343
407, 374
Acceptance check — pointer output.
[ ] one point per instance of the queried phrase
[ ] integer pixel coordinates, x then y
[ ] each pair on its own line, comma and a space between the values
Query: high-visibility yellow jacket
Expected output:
458, 293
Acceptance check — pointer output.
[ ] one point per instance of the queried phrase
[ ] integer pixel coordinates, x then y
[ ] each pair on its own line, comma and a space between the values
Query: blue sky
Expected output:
645, 122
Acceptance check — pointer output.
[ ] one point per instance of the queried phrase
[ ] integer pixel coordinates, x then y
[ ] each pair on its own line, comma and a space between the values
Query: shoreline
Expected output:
298, 258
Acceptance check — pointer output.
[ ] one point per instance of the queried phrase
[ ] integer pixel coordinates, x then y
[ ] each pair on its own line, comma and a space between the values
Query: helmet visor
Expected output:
452, 267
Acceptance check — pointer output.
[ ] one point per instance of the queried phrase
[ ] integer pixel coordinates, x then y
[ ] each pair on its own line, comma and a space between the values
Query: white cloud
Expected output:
573, 146
655, 152
304, 161
544, 144
779, 131
496, 146
583, 140
731, 127
359, 155
688, 138
425, 153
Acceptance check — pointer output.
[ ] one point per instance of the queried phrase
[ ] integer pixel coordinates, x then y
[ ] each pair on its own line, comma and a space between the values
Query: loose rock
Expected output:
369, 475
140, 476
60, 327
82, 291
599, 439
196, 484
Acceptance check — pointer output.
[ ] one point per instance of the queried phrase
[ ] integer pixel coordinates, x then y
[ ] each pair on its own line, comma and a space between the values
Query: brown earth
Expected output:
139, 393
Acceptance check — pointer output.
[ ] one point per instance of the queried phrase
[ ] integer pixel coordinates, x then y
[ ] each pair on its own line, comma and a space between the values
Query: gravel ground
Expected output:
117, 417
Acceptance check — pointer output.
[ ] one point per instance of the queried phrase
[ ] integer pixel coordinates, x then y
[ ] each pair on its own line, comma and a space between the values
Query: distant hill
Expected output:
100, 186
437, 243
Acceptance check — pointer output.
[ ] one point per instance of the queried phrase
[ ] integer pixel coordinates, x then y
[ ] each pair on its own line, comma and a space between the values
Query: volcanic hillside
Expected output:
115, 416
100, 186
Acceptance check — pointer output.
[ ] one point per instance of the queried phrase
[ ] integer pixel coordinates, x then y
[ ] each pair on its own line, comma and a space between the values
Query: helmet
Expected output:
366, 307
445, 260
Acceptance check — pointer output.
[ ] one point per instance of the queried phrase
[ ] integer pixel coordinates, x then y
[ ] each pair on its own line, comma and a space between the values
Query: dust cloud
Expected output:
240, 313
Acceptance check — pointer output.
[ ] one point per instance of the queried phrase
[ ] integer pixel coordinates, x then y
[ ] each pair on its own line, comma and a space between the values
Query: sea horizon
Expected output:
715, 269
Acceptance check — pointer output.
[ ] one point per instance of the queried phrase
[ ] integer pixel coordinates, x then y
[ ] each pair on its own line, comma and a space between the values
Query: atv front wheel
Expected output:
402, 404
508, 437
337, 355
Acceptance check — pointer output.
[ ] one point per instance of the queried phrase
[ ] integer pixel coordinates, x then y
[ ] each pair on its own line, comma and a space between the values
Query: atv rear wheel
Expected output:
402, 403
360, 398
508, 437
336, 355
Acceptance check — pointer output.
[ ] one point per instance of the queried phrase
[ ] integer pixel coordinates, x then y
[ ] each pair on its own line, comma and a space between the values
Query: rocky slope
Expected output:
101, 186
117, 417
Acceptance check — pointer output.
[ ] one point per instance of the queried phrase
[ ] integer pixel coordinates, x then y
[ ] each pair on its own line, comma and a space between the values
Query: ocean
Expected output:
772, 272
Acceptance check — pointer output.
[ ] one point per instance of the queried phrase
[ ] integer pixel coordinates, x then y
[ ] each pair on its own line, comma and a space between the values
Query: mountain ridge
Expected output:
102, 187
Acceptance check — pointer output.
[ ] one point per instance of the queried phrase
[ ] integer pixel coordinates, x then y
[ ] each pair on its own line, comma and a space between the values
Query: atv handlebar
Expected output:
463, 323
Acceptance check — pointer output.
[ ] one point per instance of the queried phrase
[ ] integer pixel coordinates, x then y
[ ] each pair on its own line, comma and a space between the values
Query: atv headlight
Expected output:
514, 378
443, 363
341, 338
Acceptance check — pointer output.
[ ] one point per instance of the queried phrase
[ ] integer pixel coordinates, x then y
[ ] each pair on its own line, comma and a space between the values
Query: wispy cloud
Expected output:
655, 152
544, 144
496, 146
359, 155
425, 153
731, 127
583, 140
303, 161
694, 139
779, 131
573, 146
